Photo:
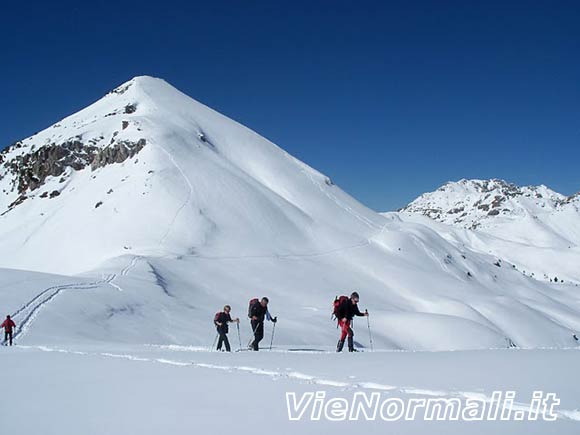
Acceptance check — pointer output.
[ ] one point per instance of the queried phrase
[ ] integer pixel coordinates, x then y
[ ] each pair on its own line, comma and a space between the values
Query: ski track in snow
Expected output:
334, 199
190, 194
124, 272
131, 265
367, 242
285, 256
26, 314
563, 414
115, 286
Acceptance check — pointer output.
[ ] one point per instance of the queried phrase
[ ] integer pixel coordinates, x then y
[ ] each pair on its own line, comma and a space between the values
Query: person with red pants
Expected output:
8, 326
347, 309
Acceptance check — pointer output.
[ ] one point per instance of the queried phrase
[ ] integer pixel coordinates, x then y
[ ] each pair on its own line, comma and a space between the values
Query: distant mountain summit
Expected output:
477, 204
533, 227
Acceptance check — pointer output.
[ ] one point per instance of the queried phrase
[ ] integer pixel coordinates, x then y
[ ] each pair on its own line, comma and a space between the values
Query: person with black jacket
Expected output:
346, 312
258, 313
221, 321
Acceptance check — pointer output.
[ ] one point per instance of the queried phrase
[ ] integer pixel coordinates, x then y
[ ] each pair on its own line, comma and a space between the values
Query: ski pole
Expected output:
214, 342
369, 326
251, 342
272, 339
239, 336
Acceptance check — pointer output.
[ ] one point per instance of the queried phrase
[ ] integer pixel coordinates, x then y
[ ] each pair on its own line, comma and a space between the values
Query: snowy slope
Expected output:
200, 182
532, 214
534, 228
166, 210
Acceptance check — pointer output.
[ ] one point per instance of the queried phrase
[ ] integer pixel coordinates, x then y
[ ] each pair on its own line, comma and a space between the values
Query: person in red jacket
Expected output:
346, 312
8, 326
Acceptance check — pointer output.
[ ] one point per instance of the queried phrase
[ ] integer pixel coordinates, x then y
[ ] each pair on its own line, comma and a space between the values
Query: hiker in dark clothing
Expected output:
8, 326
345, 313
221, 321
258, 313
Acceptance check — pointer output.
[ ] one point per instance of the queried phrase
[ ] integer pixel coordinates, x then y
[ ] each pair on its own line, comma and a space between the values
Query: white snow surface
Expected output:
532, 228
209, 213
114, 303
496, 204
141, 390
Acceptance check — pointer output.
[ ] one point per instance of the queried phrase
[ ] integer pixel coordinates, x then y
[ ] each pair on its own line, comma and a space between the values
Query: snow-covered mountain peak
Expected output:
495, 185
167, 174
120, 114
476, 203
109, 131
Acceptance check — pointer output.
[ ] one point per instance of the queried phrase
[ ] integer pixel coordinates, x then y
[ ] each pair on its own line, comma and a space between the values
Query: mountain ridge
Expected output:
532, 227
147, 130
474, 203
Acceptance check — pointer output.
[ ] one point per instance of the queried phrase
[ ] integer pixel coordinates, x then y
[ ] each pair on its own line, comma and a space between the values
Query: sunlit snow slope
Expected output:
532, 227
159, 210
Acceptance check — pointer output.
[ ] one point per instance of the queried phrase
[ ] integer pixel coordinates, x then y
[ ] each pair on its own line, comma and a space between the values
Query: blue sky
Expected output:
390, 99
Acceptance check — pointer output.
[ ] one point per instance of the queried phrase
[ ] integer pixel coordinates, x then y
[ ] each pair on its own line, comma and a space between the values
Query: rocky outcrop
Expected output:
31, 170
34, 168
472, 203
117, 153
120, 90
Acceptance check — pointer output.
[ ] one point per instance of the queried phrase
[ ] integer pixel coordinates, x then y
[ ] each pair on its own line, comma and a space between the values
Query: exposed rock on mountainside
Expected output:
473, 203
29, 171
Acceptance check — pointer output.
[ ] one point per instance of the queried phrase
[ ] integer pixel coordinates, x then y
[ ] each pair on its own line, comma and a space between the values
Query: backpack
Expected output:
216, 318
251, 305
338, 301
